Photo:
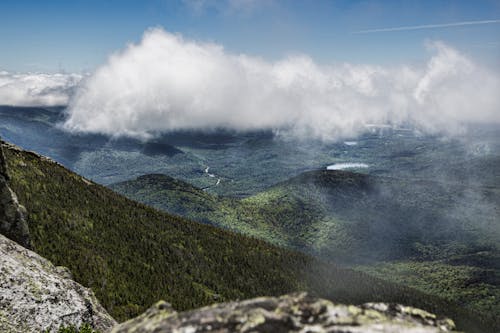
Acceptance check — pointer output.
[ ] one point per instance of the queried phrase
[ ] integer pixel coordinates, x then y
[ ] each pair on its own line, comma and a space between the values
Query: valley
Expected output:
417, 211
370, 222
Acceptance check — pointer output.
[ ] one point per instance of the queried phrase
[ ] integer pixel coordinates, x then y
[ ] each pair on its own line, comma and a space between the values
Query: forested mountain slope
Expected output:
439, 237
132, 255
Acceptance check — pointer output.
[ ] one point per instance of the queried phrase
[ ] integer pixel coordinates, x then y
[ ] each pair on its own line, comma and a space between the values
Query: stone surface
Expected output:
36, 296
13, 222
289, 313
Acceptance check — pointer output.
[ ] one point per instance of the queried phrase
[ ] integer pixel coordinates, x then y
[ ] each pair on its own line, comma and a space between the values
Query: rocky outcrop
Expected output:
36, 296
13, 222
289, 313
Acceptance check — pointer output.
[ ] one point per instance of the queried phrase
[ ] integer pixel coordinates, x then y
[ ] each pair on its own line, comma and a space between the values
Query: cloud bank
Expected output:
36, 89
167, 83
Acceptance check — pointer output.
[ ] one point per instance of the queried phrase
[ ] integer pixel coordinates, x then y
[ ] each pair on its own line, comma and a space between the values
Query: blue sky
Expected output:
79, 35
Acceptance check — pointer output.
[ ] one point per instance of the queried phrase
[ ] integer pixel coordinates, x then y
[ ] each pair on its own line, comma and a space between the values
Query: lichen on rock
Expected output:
289, 313
36, 296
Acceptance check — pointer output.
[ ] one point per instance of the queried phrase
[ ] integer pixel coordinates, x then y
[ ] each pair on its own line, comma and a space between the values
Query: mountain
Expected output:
131, 255
439, 237
319, 211
181, 198
38, 296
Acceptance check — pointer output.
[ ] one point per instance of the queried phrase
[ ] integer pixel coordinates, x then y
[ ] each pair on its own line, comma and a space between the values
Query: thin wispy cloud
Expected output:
427, 26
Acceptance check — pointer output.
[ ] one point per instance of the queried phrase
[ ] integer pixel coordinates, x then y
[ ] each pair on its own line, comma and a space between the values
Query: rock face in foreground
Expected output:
289, 313
36, 296
12, 215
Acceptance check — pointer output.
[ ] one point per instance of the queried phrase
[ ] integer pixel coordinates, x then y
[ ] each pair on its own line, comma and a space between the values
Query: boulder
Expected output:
289, 313
36, 296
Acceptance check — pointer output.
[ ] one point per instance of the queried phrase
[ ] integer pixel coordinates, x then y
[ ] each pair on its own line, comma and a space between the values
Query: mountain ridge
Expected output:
124, 251
430, 242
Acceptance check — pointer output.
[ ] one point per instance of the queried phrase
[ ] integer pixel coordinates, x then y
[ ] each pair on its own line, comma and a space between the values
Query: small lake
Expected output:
342, 166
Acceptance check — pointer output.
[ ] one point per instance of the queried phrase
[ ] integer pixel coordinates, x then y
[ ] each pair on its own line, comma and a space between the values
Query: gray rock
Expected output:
36, 296
64, 272
13, 222
289, 313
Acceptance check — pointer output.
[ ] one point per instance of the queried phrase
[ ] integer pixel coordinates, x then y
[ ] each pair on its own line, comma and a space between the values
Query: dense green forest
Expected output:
439, 238
132, 255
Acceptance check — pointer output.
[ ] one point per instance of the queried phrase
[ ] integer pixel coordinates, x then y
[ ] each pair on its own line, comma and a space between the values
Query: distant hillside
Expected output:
343, 215
132, 255
244, 164
178, 197
441, 238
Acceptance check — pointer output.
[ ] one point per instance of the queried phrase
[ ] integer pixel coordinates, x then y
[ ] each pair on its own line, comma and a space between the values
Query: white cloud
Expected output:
167, 83
36, 89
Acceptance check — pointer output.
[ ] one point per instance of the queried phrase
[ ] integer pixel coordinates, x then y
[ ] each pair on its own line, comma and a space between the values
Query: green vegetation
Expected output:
365, 221
178, 197
342, 215
132, 255
474, 287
